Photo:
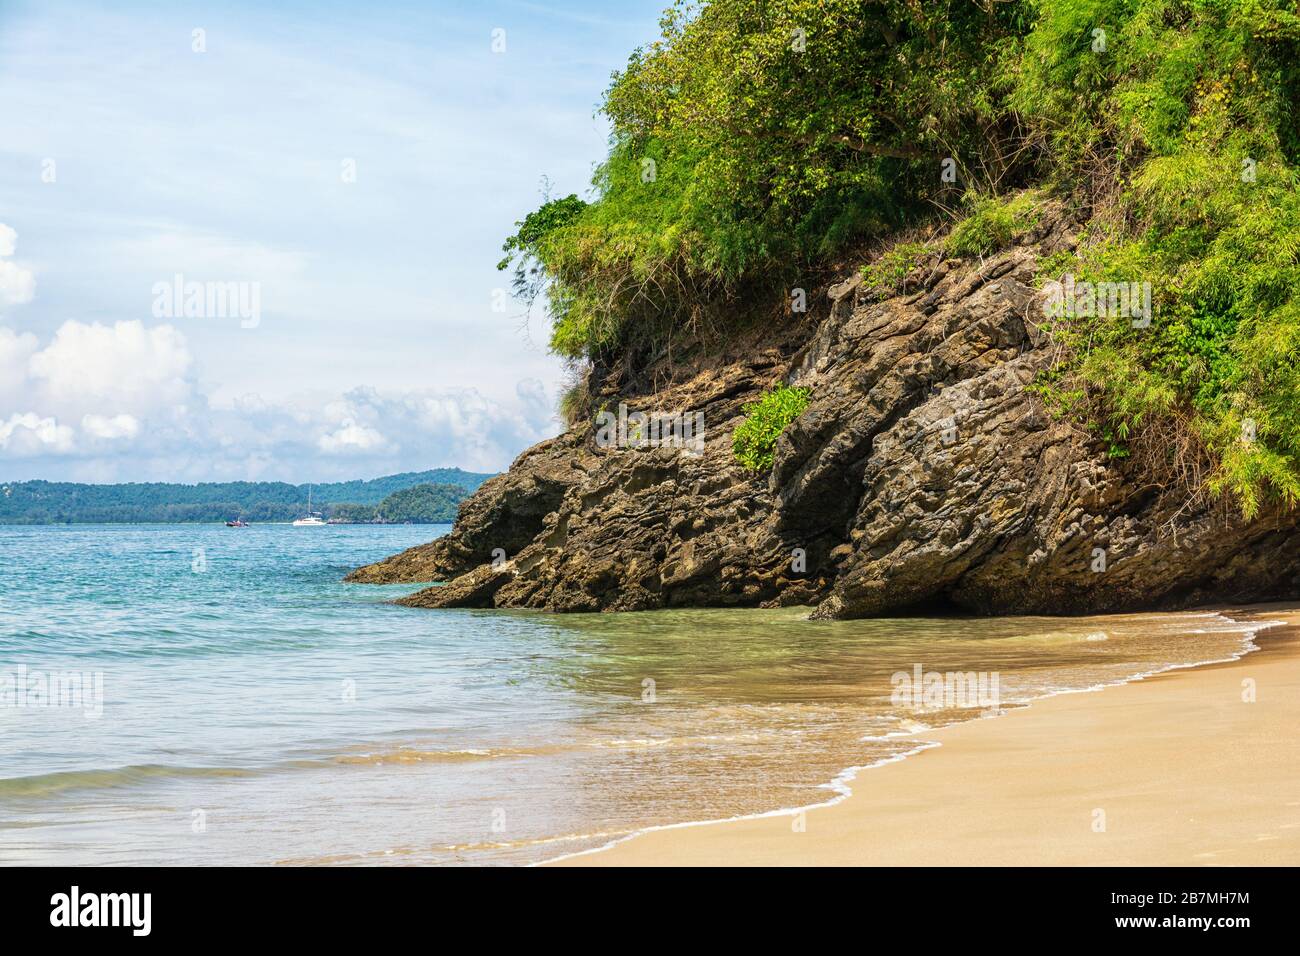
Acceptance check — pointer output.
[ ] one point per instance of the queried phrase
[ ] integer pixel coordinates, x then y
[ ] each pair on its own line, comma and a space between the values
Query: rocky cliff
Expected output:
923, 474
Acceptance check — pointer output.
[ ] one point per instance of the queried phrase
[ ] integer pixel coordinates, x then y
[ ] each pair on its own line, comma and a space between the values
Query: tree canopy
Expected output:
47, 502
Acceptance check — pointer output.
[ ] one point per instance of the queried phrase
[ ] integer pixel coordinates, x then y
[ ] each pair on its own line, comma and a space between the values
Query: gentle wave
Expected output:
46, 784
135, 775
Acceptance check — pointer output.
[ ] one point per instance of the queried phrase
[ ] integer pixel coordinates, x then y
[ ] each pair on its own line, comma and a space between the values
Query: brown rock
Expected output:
923, 473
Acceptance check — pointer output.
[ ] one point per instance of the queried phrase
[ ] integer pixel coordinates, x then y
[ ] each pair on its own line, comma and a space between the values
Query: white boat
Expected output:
312, 519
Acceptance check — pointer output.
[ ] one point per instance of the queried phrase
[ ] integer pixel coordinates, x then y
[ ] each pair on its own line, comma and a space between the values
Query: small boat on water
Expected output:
237, 523
312, 519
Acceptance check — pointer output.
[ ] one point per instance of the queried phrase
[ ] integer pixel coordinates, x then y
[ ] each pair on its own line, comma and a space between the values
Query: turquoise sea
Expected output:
186, 694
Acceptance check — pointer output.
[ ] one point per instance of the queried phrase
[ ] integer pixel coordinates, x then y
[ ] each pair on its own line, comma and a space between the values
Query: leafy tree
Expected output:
755, 139
1183, 115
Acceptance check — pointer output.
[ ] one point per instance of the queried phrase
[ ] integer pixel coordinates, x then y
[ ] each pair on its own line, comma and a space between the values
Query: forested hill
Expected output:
45, 502
422, 504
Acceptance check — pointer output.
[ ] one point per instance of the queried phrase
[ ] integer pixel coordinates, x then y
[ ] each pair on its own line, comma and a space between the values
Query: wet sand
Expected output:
1177, 769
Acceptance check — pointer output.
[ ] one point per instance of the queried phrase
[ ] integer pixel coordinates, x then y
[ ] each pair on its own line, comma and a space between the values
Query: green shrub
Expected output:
755, 438
575, 400
992, 224
886, 273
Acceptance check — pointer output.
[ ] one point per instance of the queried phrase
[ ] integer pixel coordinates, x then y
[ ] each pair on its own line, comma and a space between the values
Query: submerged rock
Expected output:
923, 473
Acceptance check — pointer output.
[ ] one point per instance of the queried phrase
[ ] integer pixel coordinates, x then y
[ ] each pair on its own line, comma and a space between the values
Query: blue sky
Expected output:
357, 165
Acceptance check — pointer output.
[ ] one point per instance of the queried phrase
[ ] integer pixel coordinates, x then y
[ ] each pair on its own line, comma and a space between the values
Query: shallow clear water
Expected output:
256, 710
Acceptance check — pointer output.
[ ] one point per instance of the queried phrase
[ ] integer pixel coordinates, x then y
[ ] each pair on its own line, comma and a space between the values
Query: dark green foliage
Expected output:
756, 139
44, 502
534, 229
423, 504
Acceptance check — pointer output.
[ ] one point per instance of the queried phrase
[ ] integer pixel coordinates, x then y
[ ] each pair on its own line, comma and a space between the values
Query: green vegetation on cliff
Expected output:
755, 438
758, 140
1187, 120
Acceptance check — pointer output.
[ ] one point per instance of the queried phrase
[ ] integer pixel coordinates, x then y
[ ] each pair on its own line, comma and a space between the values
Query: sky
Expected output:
259, 241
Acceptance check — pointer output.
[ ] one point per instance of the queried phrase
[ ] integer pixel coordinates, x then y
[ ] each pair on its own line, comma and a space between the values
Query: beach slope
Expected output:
1184, 768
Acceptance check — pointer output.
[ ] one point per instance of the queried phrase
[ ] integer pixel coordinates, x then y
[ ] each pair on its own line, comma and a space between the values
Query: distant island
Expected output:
419, 497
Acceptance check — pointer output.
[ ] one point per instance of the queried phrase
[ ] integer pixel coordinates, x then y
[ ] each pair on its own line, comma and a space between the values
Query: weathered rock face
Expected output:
922, 474
506, 512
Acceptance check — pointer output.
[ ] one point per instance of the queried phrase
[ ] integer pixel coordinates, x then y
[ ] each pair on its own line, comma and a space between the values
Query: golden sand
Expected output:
1184, 768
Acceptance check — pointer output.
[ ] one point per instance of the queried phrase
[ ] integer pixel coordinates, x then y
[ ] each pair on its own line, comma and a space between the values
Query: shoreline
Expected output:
1043, 761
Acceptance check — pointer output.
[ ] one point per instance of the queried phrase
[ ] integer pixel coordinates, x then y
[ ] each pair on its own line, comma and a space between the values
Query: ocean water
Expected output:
185, 694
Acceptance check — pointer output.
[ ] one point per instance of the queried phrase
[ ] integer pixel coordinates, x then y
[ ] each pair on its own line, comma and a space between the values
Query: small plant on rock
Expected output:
755, 438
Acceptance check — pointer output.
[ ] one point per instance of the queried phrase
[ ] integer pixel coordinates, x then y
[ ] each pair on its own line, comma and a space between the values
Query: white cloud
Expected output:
351, 438
15, 351
17, 285
124, 402
457, 425
119, 426
122, 368
29, 435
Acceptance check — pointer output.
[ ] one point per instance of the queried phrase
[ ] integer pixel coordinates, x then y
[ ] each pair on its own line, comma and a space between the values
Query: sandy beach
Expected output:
1194, 767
